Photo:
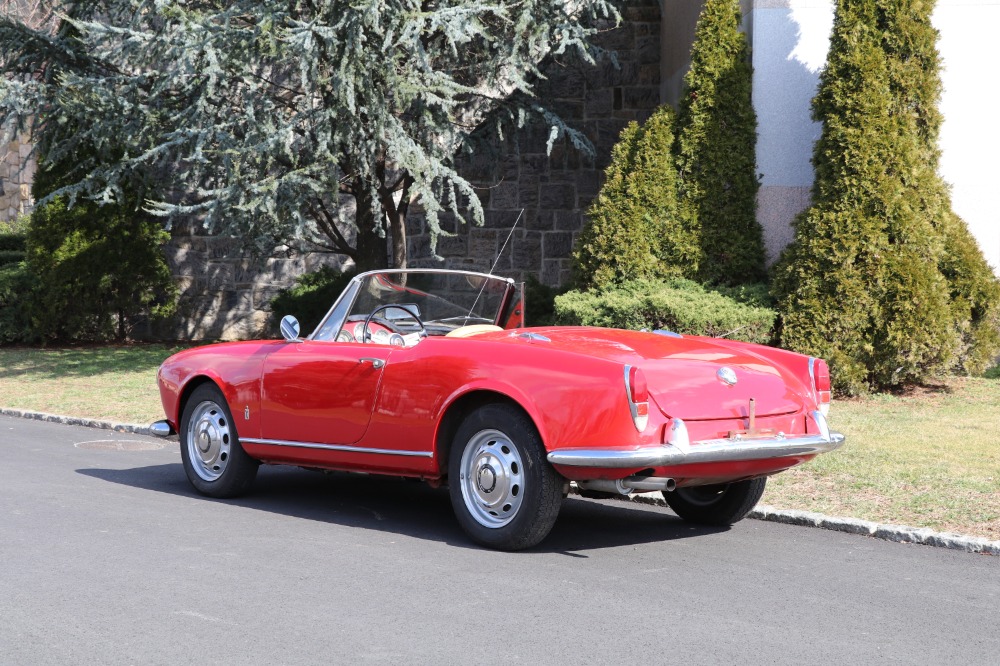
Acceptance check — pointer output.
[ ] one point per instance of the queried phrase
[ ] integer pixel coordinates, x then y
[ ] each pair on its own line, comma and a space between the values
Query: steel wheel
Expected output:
215, 463
492, 478
208, 440
504, 492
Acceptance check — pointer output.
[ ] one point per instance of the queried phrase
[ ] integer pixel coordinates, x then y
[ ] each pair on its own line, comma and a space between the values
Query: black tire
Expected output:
215, 463
722, 504
504, 492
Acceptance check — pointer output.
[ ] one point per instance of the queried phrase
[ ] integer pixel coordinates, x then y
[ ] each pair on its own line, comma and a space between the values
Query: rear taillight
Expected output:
638, 396
819, 372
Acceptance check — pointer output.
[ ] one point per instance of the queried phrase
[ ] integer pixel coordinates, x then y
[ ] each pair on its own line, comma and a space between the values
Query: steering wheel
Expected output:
366, 337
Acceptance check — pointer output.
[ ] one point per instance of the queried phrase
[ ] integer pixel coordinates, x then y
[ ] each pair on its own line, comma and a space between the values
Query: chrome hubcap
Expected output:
492, 478
208, 440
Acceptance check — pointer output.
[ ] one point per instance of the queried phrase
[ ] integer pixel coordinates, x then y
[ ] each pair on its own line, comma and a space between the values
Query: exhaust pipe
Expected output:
627, 486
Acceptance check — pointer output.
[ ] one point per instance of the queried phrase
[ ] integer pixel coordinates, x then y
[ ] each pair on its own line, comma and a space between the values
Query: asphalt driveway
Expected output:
108, 556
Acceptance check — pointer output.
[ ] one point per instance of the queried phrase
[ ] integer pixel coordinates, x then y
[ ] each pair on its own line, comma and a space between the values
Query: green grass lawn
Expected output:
106, 382
929, 458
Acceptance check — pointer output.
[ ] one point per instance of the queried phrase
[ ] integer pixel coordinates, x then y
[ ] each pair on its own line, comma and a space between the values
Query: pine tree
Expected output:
716, 144
279, 120
633, 230
873, 281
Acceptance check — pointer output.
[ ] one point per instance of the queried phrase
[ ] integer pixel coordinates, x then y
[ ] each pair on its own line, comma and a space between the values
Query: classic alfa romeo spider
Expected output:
431, 374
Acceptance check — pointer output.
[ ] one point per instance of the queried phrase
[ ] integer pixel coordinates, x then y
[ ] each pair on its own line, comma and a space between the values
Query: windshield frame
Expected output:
345, 302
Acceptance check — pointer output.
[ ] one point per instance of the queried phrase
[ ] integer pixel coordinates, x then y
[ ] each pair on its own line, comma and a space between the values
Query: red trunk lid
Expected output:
683, 372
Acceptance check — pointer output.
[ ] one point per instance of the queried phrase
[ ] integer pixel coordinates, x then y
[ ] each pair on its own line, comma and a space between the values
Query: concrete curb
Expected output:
898, 533
133, 428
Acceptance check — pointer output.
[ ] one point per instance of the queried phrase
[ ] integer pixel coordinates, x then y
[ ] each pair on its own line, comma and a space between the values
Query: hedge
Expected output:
679, 305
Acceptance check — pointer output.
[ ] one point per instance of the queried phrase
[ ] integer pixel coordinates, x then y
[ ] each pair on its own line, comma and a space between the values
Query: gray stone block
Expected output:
527, 195
557, 245
647, 50
501, 219
551, 272
504, 195
557, 196
538, 220
527, 252
453, 246
568, 220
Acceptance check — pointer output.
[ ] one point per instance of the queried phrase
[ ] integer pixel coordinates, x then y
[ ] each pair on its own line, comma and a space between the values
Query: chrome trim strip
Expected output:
337, 447
161, 429
706, 451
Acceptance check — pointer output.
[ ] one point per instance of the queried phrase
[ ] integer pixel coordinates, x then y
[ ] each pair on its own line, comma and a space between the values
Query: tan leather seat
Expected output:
472, 329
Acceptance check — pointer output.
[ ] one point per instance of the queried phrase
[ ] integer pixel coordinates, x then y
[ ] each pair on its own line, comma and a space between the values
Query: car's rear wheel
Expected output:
215, 463
504, 492
722, 504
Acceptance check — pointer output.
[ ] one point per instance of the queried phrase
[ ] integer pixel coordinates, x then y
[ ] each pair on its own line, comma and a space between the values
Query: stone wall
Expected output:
554, 190
223, 294
17, 170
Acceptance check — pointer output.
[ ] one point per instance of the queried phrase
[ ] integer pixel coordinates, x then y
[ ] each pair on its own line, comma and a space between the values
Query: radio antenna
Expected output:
493, 267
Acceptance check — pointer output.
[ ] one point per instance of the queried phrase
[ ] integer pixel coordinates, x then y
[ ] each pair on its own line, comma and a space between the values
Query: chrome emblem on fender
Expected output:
727, 376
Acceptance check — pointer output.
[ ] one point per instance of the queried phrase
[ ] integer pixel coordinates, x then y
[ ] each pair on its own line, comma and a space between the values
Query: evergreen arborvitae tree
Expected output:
716, 147
289, 120
633, 230
973, 287
871, 281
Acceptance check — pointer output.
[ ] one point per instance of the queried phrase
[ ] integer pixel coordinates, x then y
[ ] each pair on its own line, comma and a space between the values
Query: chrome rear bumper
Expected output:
681, 451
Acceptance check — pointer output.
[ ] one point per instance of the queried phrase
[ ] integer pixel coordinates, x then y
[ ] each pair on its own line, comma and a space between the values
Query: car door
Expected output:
320, 392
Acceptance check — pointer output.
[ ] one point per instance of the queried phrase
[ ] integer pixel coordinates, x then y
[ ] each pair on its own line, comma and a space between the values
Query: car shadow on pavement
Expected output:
413, 508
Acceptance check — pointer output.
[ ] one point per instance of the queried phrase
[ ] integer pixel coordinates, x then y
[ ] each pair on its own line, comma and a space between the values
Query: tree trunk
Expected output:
397, 222
372, 252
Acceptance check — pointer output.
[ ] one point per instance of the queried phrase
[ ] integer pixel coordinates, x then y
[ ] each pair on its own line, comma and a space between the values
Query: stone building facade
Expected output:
17, 171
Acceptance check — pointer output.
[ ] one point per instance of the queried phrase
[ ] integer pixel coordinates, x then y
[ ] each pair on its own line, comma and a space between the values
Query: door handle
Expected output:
376, 362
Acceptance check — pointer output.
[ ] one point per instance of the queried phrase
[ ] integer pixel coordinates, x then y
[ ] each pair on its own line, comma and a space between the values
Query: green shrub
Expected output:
716, 150
540, 302
13, 242
16, 290
310, 298
16, 227
677, 305
862, 284
102, 268
8, 257
633, 230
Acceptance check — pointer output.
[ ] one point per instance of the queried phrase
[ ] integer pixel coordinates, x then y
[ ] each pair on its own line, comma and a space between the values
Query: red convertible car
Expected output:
430, 374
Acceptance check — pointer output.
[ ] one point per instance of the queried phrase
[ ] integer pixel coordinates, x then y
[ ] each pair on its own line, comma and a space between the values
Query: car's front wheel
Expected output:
504, 492
722, 504
215, 463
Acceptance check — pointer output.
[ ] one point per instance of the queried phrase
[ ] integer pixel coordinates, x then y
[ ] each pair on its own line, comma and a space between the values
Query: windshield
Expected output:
415, 303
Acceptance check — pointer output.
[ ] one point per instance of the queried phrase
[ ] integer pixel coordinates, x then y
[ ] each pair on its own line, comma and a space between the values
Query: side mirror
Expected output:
290, 329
